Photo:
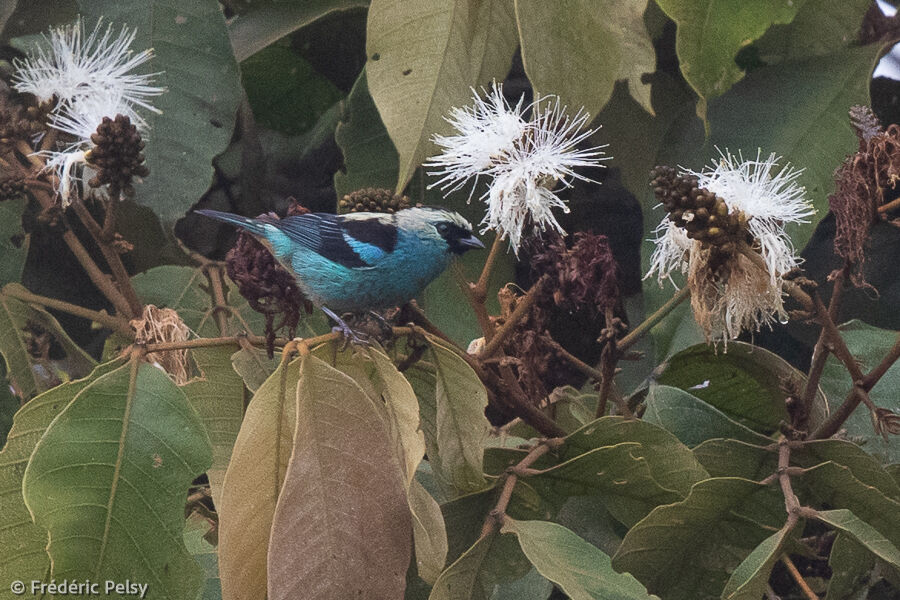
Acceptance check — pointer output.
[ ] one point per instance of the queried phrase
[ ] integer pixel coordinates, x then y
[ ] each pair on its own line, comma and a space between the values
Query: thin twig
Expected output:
517, 401
480, 290
523, 306
820, 352
884, 208
478, 307
638, 332
494, 519
115, 323
798, 578
217, 291
113, 258
573, 360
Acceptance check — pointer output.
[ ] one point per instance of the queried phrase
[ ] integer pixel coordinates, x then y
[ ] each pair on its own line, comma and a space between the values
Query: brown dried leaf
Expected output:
342, 525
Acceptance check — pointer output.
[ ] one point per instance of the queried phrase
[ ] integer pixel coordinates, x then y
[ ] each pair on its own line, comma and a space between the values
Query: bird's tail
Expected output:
252, 225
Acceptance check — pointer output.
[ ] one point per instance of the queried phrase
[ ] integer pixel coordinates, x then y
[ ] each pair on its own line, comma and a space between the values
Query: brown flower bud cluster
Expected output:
21, 117
373, 200
703, 215
12, 185
865, 181
117, 156
267, 286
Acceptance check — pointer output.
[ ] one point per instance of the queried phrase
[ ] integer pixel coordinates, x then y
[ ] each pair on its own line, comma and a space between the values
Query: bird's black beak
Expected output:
470, 242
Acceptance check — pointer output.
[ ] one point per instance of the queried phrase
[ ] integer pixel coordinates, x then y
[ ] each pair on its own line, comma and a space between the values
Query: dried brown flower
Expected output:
886, 422
164, 325
267, 286
373, 200
864, 182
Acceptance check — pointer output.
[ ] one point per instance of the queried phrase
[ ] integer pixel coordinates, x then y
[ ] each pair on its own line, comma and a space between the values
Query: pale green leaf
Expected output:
460, 581
254, 366
429, 532
750, 579
253, 483
196, 530
581, 570
416, 77
850, 566
128, 444
873, 540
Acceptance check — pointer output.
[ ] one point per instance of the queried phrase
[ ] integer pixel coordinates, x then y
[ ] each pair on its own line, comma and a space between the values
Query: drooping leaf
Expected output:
196, 530
607, 39
415, 78
451, 405
685, 550
873, 540
218, 397
254, 366
13, 241
616, 475
745, 383
25, 556
342, 524
711, 32
692, 420
850, 568
868, 345
253, 483
835, 486
370, 159
578, 568
128, 444
196, 65
750, 579
670, 462
29, 368
863, 466
264, 24
429, 532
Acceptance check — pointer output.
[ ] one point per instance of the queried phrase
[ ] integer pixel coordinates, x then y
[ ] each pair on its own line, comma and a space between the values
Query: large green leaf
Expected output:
25, 556
581, 570
370, 159
685, 550
446, 47
253, 482
670, 462
691, 419
873, 540
820, 27
28, 372
616, 475
711, 32
342, 525
266, 23
13, 241
451, 404
745, 383
254, 366
868, 345
863, 466
128, 444
750, 579
193, 55
218, 397
460, 581
563, 40
734, 458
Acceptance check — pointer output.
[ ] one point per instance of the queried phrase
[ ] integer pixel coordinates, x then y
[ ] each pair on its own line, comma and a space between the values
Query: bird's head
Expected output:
439, 226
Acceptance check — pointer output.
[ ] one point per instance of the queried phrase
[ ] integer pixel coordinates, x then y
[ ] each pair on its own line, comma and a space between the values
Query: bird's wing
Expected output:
354, 243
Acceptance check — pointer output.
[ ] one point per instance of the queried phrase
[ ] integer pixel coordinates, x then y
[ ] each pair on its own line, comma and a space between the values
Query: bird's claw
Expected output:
350, 336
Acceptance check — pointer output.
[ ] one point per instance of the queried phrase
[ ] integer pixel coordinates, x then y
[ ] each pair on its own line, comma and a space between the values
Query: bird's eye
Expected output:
442, 228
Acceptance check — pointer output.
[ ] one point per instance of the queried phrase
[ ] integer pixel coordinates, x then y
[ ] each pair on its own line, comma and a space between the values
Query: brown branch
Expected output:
798, 578
115, 323
478, 307
517, 401
480, 290
217, 291
110, 254
494, 519
872, 377
885, 208
638, 332
523, 306
573, 360
820, 351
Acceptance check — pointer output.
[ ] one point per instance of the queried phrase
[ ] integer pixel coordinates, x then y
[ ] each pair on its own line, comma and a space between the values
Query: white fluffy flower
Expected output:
71, 65
91, 77
524, 160
741, 295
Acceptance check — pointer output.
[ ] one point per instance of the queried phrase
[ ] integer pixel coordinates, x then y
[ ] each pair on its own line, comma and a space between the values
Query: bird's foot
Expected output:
386, 328
350, 336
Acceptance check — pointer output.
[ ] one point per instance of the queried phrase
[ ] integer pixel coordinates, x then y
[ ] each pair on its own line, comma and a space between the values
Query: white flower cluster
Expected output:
90, 77
525, 160
745, 297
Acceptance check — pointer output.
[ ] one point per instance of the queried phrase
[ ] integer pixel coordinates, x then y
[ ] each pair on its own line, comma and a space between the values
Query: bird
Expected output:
361, 261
